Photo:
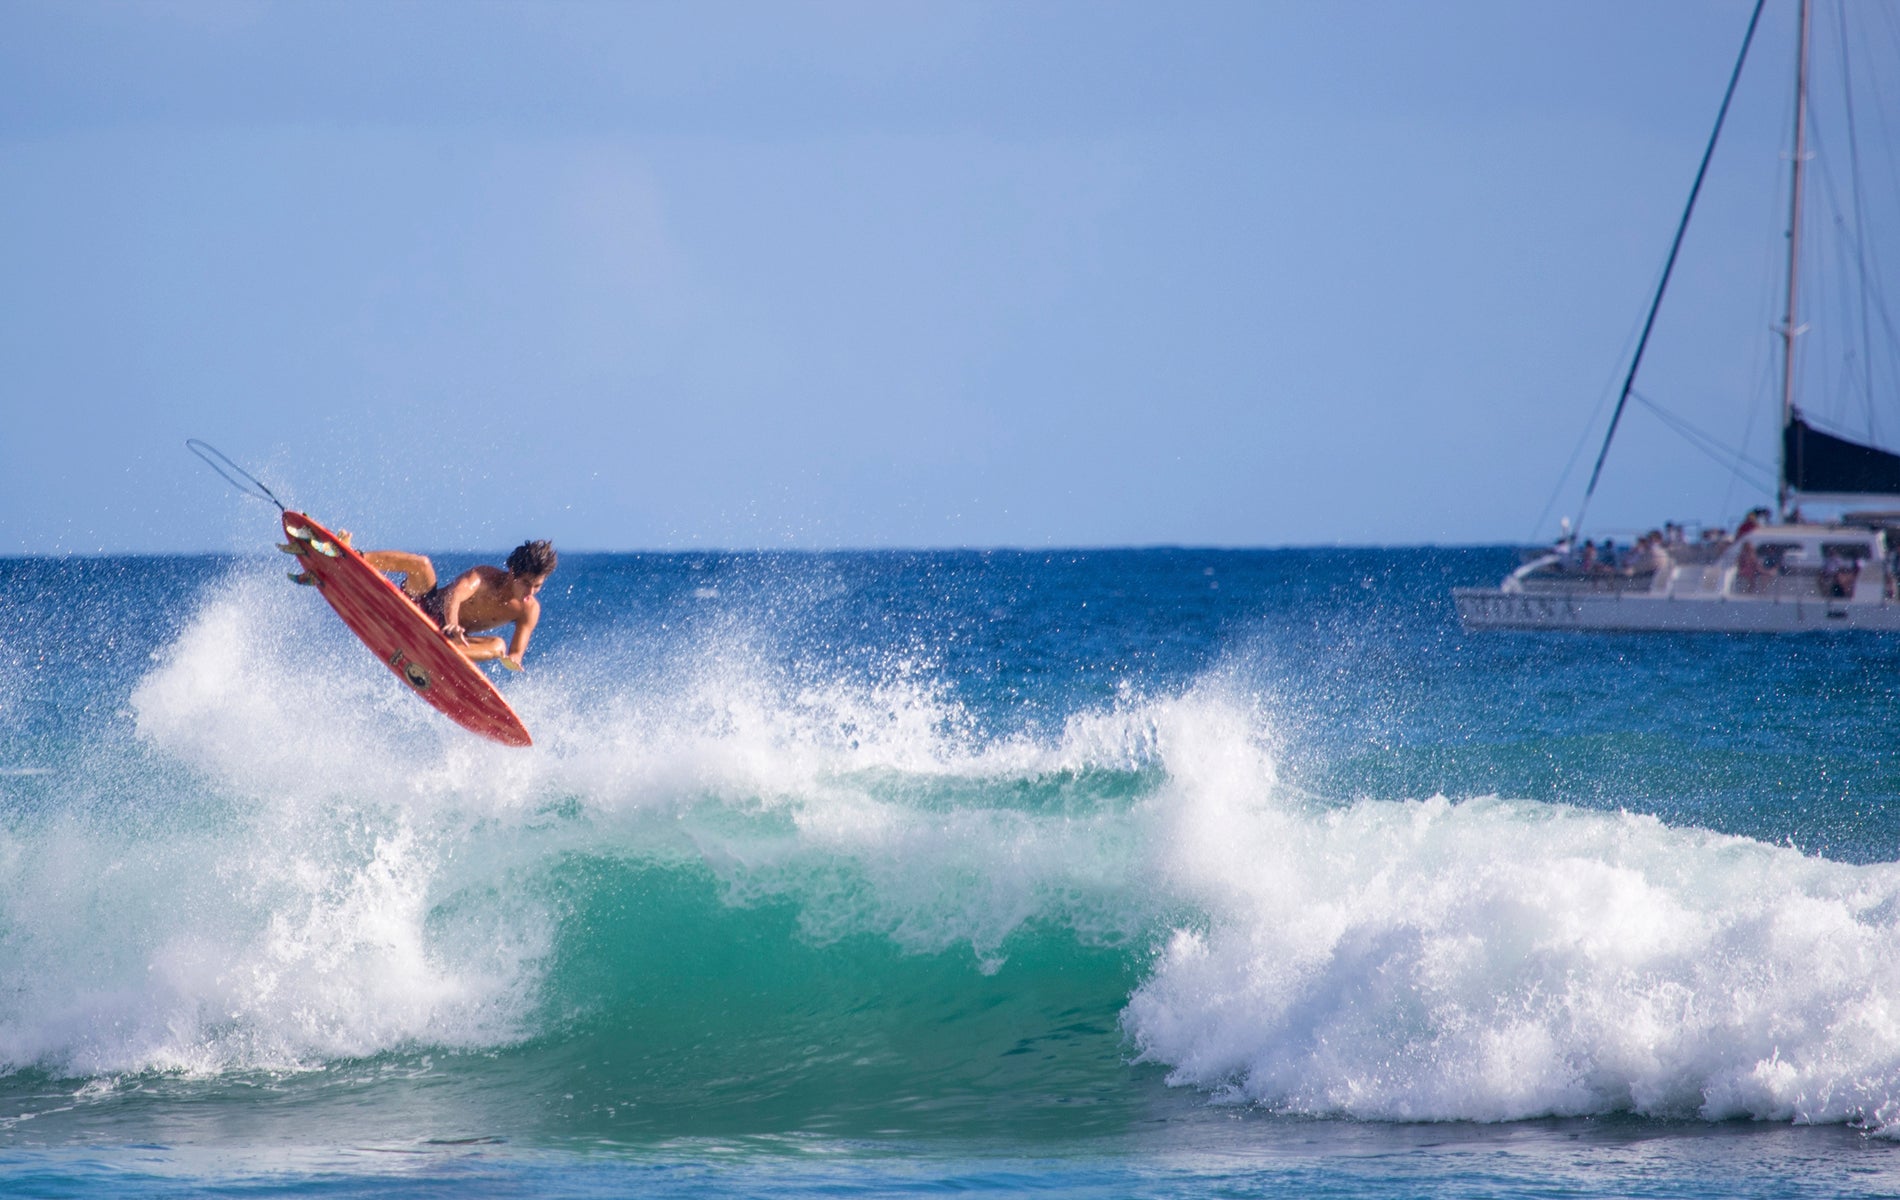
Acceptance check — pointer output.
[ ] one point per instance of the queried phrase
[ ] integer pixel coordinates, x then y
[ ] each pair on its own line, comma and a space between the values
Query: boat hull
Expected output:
1495, 608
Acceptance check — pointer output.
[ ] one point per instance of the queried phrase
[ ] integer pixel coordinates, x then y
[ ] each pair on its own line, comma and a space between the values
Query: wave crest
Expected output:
298, 863
1497, 960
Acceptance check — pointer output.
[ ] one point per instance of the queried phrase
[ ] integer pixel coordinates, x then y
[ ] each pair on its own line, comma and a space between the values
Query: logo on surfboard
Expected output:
418, 677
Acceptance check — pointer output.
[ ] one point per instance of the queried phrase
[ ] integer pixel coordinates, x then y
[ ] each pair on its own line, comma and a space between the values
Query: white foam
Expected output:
347, 878
872, 805
256, 690
251, 945
281, 904
1498, 960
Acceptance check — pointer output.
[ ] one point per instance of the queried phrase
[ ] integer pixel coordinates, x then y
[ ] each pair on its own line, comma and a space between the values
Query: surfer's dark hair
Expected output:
533, 558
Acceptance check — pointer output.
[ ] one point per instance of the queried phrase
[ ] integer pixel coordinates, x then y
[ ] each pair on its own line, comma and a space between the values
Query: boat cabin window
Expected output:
1776, 555
1846, 550
1806, 556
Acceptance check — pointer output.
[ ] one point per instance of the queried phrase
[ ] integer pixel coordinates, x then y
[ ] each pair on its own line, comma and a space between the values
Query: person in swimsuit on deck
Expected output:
479, 599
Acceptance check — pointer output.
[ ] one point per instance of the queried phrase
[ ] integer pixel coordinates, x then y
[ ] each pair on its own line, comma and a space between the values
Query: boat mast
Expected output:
1789, 330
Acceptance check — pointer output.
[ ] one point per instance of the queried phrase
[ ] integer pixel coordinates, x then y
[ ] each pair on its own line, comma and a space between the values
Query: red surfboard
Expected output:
402, 635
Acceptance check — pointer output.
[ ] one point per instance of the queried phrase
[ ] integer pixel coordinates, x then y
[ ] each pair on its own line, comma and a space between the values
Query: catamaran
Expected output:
1775, 575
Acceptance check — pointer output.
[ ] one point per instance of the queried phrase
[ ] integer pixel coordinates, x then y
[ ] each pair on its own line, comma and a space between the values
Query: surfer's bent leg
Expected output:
417, 571
481, 649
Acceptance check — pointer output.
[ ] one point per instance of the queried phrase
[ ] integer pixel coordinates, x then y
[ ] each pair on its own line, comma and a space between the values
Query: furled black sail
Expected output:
1820, 463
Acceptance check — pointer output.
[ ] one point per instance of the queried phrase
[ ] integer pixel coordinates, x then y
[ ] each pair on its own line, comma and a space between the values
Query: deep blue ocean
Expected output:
1087, 873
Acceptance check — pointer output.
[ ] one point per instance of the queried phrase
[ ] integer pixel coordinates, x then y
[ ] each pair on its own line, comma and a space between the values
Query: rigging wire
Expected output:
1880, 362
1854, 252
1764, 381
1860, 214
249, 486
1845, 248
1735, 460
1669, 265
1583, 435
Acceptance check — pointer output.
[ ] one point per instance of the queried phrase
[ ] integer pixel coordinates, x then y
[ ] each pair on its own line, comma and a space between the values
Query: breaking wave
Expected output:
289, 864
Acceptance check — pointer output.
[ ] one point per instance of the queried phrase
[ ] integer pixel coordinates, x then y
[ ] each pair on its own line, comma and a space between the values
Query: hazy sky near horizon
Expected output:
819, 275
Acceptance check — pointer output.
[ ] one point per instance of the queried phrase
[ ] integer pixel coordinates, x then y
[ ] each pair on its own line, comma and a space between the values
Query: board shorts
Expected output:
431, 603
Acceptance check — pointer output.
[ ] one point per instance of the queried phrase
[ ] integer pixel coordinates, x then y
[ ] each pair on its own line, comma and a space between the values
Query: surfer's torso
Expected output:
494, 598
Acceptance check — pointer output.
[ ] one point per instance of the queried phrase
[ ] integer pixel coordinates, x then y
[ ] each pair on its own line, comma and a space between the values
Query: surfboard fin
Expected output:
291, 548
303, 577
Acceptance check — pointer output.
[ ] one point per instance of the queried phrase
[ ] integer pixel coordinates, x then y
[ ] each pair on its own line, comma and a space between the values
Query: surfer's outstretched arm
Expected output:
524, 629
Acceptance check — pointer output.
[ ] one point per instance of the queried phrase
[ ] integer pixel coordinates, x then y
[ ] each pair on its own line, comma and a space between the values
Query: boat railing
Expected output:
1560, 578
1806, 583
1720, 577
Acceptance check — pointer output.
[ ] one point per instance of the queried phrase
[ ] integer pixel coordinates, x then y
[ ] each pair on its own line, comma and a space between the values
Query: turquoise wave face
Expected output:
671, 1009
937, 845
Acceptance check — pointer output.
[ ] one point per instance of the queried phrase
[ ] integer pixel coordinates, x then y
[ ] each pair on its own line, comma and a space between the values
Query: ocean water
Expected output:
1101, 873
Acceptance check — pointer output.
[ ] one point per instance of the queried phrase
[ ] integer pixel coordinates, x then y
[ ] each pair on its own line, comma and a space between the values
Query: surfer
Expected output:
479, 599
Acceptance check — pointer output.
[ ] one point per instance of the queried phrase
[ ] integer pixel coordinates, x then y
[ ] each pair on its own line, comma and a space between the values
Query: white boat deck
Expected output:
1778, 578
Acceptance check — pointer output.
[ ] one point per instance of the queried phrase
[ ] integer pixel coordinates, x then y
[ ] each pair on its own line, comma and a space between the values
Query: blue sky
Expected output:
869, 274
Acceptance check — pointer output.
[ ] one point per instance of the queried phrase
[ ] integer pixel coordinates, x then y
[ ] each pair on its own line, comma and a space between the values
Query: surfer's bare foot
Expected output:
510, 663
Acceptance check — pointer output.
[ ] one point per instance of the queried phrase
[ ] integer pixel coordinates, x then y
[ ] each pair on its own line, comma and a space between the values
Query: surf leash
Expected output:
249, 485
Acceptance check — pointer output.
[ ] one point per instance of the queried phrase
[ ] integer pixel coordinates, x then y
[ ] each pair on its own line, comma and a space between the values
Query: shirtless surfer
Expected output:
479, 599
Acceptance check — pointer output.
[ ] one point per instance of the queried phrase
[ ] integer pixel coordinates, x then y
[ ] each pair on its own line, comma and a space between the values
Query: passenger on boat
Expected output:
1657, 556
1748, 567
1756, 518
1636, 562
1602, 559
1838, 573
